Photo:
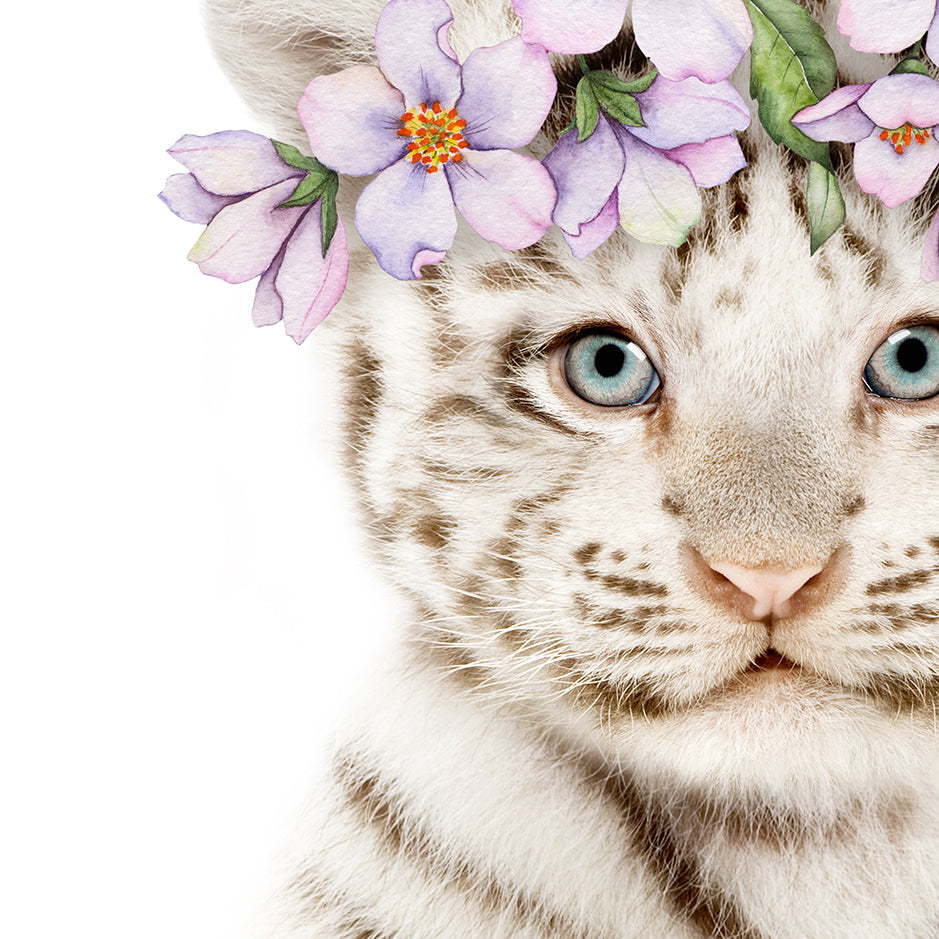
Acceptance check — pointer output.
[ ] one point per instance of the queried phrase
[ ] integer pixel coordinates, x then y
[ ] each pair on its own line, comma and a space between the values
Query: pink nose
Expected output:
770, 591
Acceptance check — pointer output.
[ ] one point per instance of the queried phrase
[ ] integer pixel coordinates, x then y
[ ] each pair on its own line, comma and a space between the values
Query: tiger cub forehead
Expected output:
744, 290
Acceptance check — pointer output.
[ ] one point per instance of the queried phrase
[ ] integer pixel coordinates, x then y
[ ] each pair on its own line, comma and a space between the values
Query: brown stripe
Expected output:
900, 584
586, 553
628, 586
443, 652
901, 692
448, 473
683, 884
609, 703
363, 398
434, 531
906, 617
634, 619
452, 407
520, 399
873, 257
383, 810
313, 893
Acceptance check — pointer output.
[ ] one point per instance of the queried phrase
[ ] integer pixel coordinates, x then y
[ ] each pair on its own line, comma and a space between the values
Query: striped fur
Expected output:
569, 744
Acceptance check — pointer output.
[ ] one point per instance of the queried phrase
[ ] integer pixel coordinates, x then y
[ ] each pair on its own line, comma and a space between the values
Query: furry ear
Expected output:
271, 49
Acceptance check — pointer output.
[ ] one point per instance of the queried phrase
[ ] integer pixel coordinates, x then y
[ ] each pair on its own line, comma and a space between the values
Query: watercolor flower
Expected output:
892, 122
440, 135
890, 25
235, 186
646, 178
683, 38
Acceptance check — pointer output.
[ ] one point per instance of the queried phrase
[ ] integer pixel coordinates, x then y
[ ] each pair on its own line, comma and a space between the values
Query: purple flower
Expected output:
646, 178
439, 134
889, 26
235, 186
701, 38
892, 121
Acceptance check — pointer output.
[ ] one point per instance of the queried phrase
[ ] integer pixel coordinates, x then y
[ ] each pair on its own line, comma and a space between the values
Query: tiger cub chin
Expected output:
671, 668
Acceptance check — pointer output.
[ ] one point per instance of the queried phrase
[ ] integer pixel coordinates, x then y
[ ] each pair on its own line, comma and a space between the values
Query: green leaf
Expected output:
308, 191
329, 217
910, 66
293, 157
587, 110
791, 67
825, 205
621, 107
608, 80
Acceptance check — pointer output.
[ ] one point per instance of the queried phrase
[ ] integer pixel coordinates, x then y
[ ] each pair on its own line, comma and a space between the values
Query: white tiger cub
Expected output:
671, 668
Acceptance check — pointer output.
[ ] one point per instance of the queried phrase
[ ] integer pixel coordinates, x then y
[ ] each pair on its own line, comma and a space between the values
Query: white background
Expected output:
184, 597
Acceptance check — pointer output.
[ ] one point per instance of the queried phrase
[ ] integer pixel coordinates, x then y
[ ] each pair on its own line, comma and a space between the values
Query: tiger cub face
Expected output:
680, 506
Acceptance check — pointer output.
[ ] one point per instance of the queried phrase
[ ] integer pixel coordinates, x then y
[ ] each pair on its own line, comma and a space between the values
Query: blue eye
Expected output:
906, 366
610, 370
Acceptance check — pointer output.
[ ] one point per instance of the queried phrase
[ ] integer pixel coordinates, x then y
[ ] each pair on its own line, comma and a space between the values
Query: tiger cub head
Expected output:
678, 505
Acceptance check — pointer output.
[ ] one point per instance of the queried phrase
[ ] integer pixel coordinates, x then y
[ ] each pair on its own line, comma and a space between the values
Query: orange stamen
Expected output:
436, 139
902, 137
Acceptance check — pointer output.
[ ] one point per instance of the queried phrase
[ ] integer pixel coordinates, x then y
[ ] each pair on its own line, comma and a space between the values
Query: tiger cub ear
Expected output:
271, 49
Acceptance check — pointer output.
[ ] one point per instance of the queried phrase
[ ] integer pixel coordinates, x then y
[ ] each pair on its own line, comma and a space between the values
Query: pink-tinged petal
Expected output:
403, 213
884, 25
309, 284
407, 42
508, 198
930, 265
689, 111
712, 162
425, 257
243, 239
571, 26
352, 118
837, 116
596, 231
232, 162
895, 100
585, 174
508, 90
268, 306
932, 39
705, 38
658, 200
187, 199
894, 177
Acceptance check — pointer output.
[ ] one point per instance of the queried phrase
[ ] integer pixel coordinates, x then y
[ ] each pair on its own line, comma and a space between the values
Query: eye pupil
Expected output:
912, 355
906, 366
609, 360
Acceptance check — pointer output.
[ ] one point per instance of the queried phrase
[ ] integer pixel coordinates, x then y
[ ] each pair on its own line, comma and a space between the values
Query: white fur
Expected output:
490, 786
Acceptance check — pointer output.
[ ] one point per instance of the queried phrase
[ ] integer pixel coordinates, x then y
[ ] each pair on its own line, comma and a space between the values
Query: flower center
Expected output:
903, 136
436, 133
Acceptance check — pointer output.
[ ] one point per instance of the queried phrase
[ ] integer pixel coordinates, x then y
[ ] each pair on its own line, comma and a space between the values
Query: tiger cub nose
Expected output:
770, 591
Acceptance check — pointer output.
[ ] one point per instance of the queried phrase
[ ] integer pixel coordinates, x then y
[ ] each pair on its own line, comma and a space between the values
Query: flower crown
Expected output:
441, 136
